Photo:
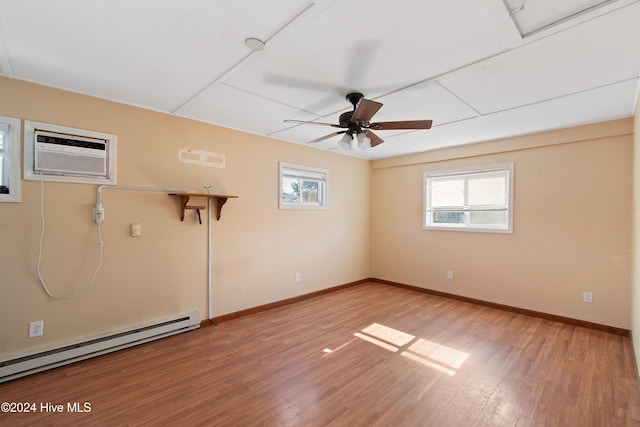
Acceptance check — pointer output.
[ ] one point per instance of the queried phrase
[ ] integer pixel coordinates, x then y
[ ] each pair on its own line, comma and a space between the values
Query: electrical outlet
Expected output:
449, 275
297, 277
587, 297
36, 329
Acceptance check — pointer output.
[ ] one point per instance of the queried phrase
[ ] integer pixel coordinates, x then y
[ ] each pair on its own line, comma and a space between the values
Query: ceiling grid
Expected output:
480, 70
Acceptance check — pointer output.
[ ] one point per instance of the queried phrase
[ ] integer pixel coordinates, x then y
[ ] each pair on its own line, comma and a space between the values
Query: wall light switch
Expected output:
136, 230
587, 297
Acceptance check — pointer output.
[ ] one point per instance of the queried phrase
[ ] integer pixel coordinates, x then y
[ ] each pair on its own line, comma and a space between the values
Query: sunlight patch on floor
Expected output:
429, 363
376, 341
438, 353
390, 335
436, 356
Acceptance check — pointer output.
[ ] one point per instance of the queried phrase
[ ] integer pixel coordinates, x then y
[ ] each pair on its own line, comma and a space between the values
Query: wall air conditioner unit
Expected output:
57, 153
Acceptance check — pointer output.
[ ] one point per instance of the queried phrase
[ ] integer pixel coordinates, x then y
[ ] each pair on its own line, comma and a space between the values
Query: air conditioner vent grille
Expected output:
50, 139
58, 153
66, 164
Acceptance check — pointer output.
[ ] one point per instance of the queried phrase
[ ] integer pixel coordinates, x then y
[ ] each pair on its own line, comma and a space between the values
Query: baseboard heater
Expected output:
27, 364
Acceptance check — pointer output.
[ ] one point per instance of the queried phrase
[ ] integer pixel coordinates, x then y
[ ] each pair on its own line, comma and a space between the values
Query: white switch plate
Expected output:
587, 297
449, 275
297, 277
136, 230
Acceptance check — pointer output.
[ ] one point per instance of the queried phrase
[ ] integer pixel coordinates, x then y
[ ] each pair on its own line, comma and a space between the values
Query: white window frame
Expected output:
11, 158
288, 170
466, 173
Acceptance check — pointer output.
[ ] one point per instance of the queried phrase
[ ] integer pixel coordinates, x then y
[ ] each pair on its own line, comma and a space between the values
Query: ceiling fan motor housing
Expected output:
345, 119
354, 98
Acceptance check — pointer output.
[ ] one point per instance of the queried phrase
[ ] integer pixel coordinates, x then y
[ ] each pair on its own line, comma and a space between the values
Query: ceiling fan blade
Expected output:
375, 139
322, 138
408, 124
304, 122
365, 110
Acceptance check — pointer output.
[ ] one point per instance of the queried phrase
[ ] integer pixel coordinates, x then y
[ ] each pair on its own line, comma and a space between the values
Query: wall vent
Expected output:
57, 153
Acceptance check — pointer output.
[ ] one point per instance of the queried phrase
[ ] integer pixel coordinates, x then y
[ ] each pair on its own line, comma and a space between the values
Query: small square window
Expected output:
9, 159
302, 187
479, 199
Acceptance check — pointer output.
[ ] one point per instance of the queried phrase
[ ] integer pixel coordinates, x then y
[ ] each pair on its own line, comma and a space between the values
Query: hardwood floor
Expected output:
371, 355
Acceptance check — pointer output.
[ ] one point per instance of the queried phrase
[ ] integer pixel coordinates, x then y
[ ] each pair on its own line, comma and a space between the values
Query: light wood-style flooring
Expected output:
370, 355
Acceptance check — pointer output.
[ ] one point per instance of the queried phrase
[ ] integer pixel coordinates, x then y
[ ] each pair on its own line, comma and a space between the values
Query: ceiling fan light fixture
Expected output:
357, 124
345, 141
364, 142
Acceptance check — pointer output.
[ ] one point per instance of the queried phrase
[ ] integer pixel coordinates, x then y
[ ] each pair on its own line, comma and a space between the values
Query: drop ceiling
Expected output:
481, 70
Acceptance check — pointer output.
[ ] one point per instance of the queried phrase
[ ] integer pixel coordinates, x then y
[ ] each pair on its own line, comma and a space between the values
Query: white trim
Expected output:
11, 151
634, 110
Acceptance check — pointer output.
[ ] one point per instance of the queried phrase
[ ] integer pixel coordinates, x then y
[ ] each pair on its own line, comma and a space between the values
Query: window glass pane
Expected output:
290, 190
447, 192
448, 217
9, 159
488, 218
489, 189
309, 192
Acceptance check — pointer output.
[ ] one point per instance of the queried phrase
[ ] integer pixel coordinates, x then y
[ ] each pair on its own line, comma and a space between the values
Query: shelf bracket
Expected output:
220, 201
184, 200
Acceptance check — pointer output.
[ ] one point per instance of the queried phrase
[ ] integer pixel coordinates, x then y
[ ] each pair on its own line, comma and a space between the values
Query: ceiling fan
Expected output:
357, 123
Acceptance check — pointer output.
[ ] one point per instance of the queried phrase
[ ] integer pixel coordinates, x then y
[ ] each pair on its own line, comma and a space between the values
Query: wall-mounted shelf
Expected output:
185, 197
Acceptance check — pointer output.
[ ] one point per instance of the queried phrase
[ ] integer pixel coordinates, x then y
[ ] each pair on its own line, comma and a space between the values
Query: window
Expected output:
9, 159
478, 199
302, 187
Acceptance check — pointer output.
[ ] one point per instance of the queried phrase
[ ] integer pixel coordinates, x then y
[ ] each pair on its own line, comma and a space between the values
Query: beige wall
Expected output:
572, 222
573, 192
256, 248
635, 294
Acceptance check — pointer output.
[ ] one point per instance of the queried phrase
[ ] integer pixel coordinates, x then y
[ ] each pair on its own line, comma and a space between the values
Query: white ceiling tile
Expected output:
504, 23
422, 102
574, 60
304, 133
242, 110
155, 54
607, 103
530, 16
343, 49
601, 9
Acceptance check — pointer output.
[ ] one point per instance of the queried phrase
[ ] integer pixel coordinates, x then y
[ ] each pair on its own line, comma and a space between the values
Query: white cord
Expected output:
99, 243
